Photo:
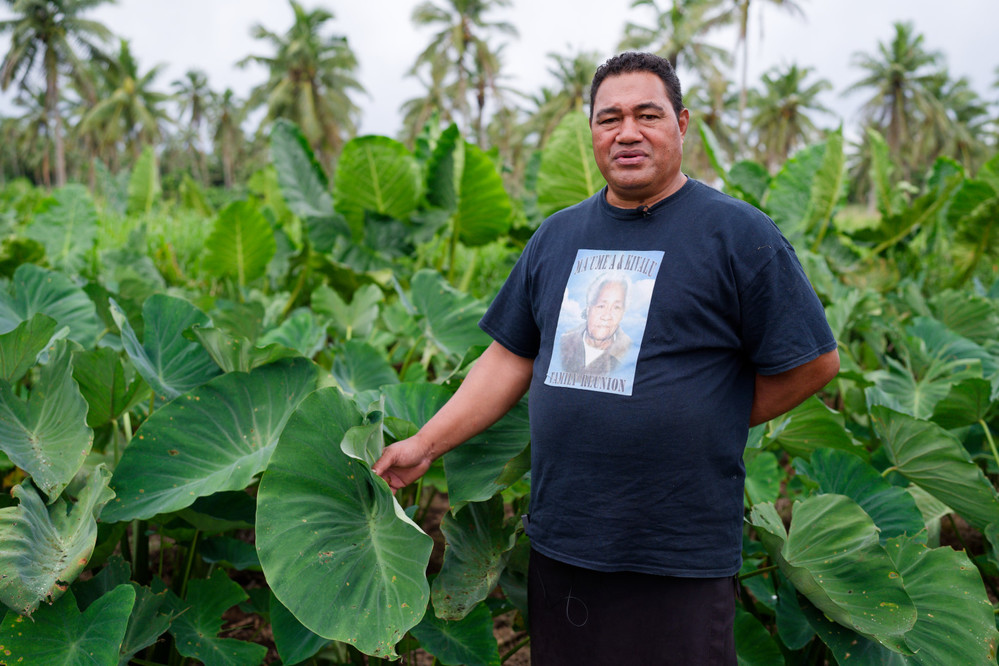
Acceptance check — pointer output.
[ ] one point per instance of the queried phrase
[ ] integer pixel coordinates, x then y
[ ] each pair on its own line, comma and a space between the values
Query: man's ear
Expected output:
683, 120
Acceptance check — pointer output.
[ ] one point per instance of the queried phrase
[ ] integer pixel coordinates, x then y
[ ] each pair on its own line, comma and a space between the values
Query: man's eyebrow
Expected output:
643, 106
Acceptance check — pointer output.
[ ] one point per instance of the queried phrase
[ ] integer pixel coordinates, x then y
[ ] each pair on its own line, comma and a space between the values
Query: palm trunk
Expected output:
52, 113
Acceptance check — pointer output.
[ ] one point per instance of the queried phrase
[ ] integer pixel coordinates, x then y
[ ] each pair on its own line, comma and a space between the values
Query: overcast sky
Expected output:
213, 35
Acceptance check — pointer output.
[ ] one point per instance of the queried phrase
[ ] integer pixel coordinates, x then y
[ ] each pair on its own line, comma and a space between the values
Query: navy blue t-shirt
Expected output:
647, 330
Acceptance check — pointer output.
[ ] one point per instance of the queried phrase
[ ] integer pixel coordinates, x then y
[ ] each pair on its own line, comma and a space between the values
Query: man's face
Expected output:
604, 315
637, 139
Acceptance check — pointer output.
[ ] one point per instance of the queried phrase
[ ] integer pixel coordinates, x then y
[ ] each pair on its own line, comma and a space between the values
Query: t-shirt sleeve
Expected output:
783, 322
509, 320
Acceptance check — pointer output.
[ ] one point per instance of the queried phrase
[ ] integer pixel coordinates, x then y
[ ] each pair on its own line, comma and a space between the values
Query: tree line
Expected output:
84, 103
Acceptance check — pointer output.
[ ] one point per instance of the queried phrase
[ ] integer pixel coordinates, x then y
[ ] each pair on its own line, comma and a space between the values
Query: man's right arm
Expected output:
497, 381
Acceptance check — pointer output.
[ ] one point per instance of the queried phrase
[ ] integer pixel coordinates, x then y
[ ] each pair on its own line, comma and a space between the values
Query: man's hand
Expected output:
403, 462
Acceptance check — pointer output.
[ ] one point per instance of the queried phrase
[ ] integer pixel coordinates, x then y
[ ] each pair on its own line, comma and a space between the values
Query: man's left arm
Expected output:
780, 393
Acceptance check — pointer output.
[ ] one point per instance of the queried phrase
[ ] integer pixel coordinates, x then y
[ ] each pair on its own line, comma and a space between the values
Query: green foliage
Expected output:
222, 397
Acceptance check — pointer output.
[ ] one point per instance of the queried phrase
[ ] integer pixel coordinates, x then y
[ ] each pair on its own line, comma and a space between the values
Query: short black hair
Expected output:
631, 61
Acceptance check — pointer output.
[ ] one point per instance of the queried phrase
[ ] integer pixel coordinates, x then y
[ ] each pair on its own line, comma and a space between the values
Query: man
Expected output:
637, 487
599, 345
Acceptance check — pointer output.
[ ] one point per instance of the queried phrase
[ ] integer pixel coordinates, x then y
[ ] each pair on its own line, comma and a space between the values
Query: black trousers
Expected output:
580, 617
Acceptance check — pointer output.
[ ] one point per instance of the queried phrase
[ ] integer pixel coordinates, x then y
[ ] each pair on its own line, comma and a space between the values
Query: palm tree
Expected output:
46, 35
226, 117
741, 10
780, 112
418, 111
130, 112
461, 39
193, 95
957, 125
902, 76
573, 74
678, 34
310, 77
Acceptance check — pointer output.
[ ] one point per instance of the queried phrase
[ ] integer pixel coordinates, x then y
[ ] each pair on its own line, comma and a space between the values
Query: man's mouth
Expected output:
629, 157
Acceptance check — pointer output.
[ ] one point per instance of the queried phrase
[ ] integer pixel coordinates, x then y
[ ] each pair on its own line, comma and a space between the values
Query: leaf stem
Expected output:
758, 572
516, 648
989, 439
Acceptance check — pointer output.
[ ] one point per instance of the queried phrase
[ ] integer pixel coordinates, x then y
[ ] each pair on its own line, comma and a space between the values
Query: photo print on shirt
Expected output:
602, 320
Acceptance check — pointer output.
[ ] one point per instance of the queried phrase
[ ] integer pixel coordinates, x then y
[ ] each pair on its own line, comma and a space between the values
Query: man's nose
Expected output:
628, 132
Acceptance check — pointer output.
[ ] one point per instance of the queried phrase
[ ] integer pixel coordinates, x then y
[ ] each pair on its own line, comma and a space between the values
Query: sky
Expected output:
213, 35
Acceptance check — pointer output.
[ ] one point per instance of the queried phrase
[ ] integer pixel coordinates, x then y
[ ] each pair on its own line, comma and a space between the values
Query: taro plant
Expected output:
187, 455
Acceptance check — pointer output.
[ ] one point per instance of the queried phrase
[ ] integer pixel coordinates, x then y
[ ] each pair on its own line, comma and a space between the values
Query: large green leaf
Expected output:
763, 476
43, 549
300, 331
377, 174
357, 366
893, 510
109, 386
144, 184
467, 641
969, 401
355, 318
827, 189
47, 434
198, 622
241, 243
294, 642
450, 316
479, 541
61, 634
230, 428
335, 546
303, 181
831, 554
67, 227
170, 363
235, 353
810, 426
568, 172
484, 211
36, 289
847, 646
956, 622
444, 169
19, 348
489, 462
753, 644
935, 460
790, 197
148, 622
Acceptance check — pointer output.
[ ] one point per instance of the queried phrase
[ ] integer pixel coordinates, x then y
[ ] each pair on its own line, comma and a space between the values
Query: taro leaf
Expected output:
300, 332
230, 428
19, 348
357, 366
377, 174
47, 435
336, 548
144, 185
444, 168
295, 643
568, 172
415, 402
892, 508
109, 387
61, 634
831, 554
356, 318
849, 647
239, 555
935, 460
67, 227
241, 243
789, 201
898, 389
450, 317
969, 401
812, 425
237, 354
484, 210
117, 572
754, 646
792, 625
466, 641
43, 549
967, 314
478, 546
763, 477
198, 622
303, 182
750, 180
956, 622
170, 363
365, 442
148, 622
35, 290
490, 461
